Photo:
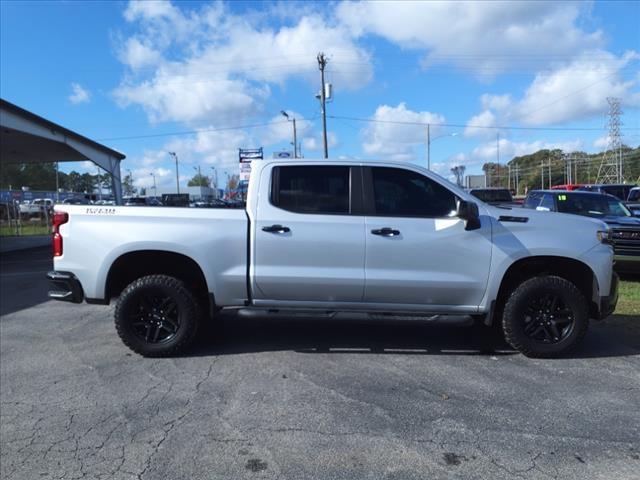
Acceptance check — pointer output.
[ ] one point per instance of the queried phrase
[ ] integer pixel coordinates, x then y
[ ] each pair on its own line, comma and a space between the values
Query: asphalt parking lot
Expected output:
302, 399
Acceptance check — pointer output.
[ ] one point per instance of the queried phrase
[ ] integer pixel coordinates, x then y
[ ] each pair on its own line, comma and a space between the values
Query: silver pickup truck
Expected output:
381, 238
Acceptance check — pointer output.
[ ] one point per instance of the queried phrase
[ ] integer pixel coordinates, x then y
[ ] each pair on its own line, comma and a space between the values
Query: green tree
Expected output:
199, 180
36, 176
127, 186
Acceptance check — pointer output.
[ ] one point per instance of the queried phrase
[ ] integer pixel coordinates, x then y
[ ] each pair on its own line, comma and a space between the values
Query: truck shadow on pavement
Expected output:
237, 335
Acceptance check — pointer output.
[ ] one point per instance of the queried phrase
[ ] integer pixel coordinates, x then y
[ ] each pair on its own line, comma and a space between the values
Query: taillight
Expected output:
59, 218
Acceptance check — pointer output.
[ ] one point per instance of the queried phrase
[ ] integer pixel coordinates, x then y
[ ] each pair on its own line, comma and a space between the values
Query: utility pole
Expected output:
541, 175
549, 171
517, 179
155, 190
173, 154
428, 146
509, 182
498, 155
322, 63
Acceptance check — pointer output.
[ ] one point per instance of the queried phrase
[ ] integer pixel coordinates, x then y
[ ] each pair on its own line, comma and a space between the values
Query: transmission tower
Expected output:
610, 170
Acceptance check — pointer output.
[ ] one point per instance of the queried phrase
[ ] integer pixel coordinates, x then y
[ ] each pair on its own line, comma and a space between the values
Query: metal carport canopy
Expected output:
28, 138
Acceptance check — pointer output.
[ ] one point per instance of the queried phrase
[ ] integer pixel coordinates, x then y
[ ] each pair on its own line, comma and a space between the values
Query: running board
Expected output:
413, 317
377, 316
262, 312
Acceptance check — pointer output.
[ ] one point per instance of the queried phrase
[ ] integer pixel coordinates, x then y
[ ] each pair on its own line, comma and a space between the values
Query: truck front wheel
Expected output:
157, 316
545, 317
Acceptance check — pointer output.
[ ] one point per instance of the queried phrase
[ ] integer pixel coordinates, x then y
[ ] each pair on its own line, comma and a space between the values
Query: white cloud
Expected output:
496, 102
397, 140
577, 90
476, 127
601, 143
180, 99
213, 66
151, 9
79, 94
136, 54
573, 92
487, 38
487, 152
281, 129
315, 143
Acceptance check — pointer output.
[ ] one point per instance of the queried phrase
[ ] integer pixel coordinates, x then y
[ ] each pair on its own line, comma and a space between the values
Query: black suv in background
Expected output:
625, 228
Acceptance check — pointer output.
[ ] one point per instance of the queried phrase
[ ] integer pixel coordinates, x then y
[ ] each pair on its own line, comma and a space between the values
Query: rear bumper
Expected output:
65, 286
608, 302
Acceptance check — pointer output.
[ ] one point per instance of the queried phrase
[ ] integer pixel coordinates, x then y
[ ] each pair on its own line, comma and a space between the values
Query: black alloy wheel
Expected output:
157, 316
547, 319
156, 319
545, 316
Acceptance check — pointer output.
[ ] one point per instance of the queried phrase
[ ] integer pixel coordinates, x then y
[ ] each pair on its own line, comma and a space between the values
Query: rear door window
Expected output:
311, 189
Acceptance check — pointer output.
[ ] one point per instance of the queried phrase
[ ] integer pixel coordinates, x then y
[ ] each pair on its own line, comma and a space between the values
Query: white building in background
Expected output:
475, 181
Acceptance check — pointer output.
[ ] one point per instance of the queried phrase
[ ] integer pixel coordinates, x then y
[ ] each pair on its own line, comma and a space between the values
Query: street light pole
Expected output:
429, 140
295, 137
155, 190
173, 154
295, 140
215, 177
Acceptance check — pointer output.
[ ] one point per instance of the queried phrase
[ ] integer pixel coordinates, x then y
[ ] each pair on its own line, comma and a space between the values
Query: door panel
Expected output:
321, 256
430, 259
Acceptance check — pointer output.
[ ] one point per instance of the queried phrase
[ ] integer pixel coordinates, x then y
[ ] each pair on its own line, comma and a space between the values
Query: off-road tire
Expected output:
513, 320
188, 310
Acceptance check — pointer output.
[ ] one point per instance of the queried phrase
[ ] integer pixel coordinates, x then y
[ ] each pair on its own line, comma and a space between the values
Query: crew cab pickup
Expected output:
390, 240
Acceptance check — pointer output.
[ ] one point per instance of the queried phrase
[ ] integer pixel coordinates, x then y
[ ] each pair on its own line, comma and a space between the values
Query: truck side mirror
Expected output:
468, 211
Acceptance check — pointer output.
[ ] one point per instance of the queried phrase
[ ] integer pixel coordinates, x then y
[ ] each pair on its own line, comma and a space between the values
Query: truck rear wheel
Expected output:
545, 317
157, 316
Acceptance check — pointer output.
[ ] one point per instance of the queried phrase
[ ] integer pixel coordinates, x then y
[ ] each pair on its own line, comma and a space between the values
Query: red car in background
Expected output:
570, 187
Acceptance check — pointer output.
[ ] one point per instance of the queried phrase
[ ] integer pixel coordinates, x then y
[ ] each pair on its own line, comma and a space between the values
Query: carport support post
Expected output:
116, 183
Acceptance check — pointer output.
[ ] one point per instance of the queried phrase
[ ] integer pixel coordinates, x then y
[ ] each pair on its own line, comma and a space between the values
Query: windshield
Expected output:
592, 205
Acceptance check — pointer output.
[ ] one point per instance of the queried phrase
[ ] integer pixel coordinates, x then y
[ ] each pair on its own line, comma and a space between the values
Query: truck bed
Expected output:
214, 238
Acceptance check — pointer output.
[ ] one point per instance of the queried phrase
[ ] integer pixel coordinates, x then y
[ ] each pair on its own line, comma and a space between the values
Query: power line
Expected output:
190, 132
466, 125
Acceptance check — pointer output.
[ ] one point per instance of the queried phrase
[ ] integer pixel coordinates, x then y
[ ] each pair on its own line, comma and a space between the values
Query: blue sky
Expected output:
111, 70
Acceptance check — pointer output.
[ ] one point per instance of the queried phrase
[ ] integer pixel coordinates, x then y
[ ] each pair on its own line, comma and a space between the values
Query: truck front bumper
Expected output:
65, 286
608, 302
